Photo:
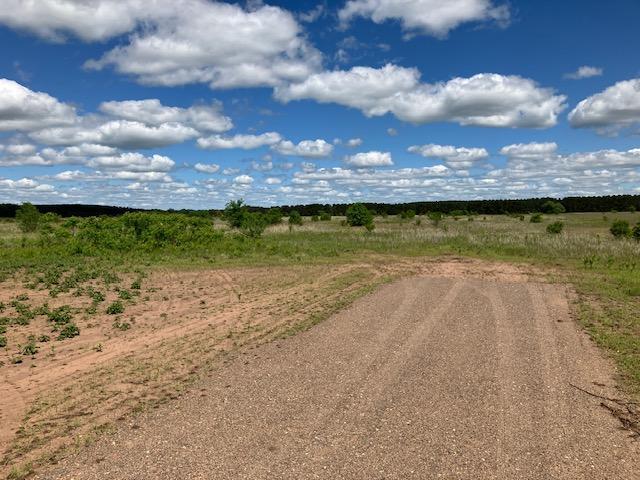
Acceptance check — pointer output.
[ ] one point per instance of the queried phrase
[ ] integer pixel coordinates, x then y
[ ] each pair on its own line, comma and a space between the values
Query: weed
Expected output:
70, 330
29, 349
125, 295
123, 326
44, 338
115, 308
3, 341
60, 315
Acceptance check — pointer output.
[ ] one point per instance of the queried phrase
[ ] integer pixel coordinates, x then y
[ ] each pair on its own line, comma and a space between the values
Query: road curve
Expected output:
430, 377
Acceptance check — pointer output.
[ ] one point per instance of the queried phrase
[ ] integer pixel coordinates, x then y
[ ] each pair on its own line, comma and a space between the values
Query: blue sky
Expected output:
190, 103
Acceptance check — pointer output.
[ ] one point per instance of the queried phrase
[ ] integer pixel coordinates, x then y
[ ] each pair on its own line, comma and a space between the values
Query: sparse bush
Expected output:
407, 214
370, 227
44, 338
418, 222
552, 207
435, 218
3, 341
325, 216
60, 315
636, 232
315, 218
295, 218
123, 326
358, 215
536, 218
28, 217
620, 229
125, 294
555, 228
70, 330
253, 224
115, 308
30, 348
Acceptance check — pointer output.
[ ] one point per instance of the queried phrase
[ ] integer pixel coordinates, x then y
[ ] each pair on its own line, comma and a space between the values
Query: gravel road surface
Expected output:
427, 378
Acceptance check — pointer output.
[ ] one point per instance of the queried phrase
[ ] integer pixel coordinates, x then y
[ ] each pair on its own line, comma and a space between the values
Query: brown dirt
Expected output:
444, 376
186, 327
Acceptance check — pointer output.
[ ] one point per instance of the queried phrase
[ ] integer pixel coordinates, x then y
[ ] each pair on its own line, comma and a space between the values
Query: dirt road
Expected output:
427, 378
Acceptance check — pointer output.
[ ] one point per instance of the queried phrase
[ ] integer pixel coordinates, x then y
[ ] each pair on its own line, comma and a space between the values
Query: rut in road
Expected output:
429, 377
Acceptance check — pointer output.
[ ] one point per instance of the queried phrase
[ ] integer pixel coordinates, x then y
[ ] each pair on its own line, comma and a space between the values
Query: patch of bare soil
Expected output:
180, 326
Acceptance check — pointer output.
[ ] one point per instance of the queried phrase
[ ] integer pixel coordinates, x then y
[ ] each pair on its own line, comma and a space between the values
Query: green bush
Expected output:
273, 216
253, 224
295, 218
636, 232
234, 213
28, 217
536, 218
620, 228
552, 207
325, 216
60, 315
315, 218
407, 214
435, 218
3, 341
70, 330
115, 308
555, 228
358, 215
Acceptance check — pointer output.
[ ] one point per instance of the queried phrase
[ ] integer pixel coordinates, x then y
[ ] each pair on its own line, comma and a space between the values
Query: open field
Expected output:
183, 309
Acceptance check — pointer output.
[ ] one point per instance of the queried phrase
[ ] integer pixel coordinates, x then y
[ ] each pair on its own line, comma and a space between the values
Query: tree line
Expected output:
481, 207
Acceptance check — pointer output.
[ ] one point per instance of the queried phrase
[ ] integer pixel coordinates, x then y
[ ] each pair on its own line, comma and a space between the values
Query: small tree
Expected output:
358, 215
552, 207
253, 224
435, 218
295, 218
28, 217
555, 228
620, 228
273, 216
407, 214
234, 213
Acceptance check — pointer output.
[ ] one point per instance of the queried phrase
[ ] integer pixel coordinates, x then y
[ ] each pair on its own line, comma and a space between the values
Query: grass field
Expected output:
125, 294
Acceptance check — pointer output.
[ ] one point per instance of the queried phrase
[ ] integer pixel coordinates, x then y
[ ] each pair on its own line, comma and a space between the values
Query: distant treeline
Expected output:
480, 207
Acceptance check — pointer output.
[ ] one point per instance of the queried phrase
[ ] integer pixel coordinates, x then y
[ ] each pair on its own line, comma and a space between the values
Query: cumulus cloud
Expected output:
584, 72
23, 109
204, 118
117, 133
243, 180
486, 99
369, 159
306, 148
455, 157
245, 142
354, 142
529, 150
133, 162
206, 167
428, 17
611, 110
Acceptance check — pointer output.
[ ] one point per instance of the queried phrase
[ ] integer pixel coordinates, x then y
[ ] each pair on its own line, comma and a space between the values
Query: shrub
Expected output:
552, 207
370, 227
28, 217
620, 228
636, 232
115, 308
60, 315
325, 216
295, 218
358, 215
3, 341
30, 348
273, 216
536, 218
315, 218
125, 294
234, 213
407, 214
435, 218
555, 227
253, 224
70, 330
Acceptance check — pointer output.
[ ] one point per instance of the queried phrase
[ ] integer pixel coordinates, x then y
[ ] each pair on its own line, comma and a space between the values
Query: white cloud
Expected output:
273, 181
206, 167
204, 118
306, 148
529, 150
392, 132
613, 109
245, 142
243, 180
197, 41
23, 109
369, 159
428, 17
486, 99
133, 162
584, 72
455, 157
117, 133
354, 142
